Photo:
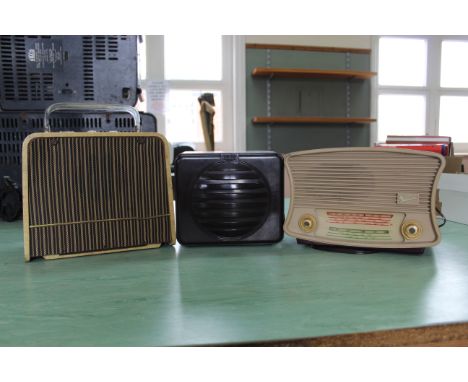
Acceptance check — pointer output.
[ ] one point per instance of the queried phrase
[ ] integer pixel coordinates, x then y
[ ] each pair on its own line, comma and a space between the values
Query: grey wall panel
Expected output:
256, 93
359, 62
306, 97
299, 59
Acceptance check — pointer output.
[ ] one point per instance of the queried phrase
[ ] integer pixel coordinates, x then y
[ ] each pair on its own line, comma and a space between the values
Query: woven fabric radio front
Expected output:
88, 193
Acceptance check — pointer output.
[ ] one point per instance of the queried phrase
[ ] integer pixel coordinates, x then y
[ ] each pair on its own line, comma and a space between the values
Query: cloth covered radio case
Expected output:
37, 71
92, 193
364, 197
229, 198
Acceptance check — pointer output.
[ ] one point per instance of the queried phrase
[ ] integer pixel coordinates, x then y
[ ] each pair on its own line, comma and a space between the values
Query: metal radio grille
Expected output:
357, 180
230, 199
19, 84
92, 194
96, 48
36, 71
15, 127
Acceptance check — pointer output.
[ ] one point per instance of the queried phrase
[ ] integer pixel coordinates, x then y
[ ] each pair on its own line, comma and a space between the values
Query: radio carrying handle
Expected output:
91, 107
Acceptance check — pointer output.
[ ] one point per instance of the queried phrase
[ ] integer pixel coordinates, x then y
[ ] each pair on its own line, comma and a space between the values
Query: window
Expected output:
422, 87
194, 65
183, 122
453, 120
402, 61
400, 114
179, 69
454, 64
193, 57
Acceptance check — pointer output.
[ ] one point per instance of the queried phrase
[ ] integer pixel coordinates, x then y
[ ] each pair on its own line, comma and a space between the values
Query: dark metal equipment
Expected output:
10, 200
37, 71
16, 126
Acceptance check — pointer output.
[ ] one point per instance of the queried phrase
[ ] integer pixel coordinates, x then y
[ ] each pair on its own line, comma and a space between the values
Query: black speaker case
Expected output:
188, 168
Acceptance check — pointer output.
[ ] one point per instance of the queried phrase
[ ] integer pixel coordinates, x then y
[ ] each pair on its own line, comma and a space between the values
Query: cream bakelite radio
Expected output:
364, 198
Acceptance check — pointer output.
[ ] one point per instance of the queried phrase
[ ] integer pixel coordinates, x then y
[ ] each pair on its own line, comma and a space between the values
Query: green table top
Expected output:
217, 295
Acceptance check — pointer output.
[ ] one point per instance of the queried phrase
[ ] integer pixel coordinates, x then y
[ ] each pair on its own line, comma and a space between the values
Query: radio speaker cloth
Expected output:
91, 193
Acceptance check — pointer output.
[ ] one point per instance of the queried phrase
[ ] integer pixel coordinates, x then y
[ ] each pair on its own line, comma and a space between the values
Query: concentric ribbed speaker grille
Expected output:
230, 199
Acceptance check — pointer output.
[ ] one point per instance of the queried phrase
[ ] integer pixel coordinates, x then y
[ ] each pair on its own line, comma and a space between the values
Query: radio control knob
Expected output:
307, 223
411, 230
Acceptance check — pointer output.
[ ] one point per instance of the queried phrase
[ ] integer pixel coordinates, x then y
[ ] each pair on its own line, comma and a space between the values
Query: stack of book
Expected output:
437, 144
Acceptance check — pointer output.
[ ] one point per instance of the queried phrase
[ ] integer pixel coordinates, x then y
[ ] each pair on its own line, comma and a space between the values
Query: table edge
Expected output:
455, 334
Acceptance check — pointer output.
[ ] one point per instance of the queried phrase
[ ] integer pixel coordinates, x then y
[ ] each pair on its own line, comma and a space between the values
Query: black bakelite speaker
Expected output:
230, 198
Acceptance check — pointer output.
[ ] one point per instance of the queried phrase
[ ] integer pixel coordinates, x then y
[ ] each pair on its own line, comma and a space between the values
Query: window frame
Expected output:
432, 91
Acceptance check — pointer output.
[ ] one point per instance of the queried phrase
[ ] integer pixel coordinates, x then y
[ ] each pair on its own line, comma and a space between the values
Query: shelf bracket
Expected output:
348, 100
268, 97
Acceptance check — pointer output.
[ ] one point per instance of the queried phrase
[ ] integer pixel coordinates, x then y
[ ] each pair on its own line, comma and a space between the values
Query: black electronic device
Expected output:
229, 198
37, 71
16, 126
10, 200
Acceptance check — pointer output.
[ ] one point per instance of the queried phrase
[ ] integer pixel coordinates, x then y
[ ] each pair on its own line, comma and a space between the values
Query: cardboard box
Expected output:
453, 193
453, 164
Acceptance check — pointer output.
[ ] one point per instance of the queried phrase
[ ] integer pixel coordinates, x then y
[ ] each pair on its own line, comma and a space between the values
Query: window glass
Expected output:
402, 61
193, 57
183, 123
401, 115
454, 64
453, 120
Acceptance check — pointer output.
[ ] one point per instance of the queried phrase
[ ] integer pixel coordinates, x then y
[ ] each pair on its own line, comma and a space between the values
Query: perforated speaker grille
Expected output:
36, 71
91, 194
230, 200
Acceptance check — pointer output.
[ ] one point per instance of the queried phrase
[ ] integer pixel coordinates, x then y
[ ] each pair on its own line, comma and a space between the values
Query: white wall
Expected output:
363, 42
154, 59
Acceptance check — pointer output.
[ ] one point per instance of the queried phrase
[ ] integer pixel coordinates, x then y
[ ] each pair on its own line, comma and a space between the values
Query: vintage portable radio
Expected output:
364, 197
229, 198
95, 192
37, 71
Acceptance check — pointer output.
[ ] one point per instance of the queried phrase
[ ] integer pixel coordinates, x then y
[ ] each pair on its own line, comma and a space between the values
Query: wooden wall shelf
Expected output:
315, 97
312, 120
310, 73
